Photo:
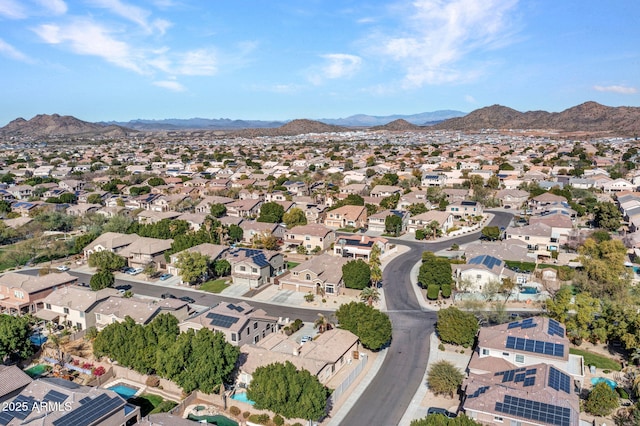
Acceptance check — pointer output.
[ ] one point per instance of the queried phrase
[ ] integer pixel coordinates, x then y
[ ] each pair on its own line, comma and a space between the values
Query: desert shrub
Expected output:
441, 347
235, 411
432, 292
246, 414
446, 291
153, 381
278, 420
261, 419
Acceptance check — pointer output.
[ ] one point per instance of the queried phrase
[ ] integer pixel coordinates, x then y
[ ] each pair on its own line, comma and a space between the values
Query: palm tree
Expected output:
376, 275
370, 295
322, 324
634, 357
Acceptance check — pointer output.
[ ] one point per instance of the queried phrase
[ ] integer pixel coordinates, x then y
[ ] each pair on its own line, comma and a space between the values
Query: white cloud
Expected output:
56, 7
624, 90
439, 34
134, 14
470, 99
12, 9
197, 62
336, 65
170, 84
85, 37
7, 50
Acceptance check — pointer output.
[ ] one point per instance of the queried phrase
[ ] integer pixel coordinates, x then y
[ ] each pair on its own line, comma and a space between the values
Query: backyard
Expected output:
152, 404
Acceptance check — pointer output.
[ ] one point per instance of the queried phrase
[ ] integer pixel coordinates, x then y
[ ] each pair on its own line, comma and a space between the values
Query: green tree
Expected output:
456, 326
393, 225
607, 216
390, 202
117, 223
218, 210
106, 261
156, 181
101, 279
271, 212
81, 241
417, 208
356, 274
434, 271
493, 182
604, 273
288, 392
235, 233
372, 327
440, 420
14, 337
602, 400
444, 378
68, 198
193, 266
222, 267
294, 217
491, 233
94, 199
370, 295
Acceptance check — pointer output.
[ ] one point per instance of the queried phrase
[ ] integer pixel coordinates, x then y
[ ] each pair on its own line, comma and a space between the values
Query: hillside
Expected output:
56, 125
586, 117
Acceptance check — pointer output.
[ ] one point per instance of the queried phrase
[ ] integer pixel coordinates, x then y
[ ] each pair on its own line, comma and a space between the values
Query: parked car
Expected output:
187, 299
135, 271
438, 410
165, 277
168, 296
306, 339
63, 268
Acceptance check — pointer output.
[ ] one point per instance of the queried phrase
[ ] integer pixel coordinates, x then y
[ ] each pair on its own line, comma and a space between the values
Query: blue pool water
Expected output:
124, 391
612, 383
529, 290
242, 397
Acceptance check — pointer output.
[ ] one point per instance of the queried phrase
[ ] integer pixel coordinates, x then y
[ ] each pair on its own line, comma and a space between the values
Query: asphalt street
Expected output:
387, 397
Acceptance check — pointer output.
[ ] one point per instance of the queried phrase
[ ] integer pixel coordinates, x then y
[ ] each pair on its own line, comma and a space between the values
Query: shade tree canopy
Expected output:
372, 327
356, 274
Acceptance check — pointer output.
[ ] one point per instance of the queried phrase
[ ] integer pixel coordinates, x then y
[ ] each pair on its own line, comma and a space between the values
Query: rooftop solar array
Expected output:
478, 392
23, 405
235, 307
534, 410
219, 320
256, 256
555, 329
55, 396
535, 346
519, 375
486, 260
524, 324
559, 380
89, 413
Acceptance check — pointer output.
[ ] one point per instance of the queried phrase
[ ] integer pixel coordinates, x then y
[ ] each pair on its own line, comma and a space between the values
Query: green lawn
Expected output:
599, 361
291, 265
151, 404
215, 286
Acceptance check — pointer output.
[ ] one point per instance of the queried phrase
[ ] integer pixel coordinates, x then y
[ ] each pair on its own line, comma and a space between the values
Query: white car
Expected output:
63, 268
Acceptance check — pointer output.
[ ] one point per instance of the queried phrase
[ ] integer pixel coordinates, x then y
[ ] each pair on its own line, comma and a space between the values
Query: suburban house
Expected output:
244, 208
430, 180
240, 323
422, 220
142, 311
347, 216
111, 241
24, 294
376, 222
481, 271
618, 185
254, 267
53, 401
512, 198
543, 201
252, 229
144, 250
213, 251
73, 306
383, 191
319, 275
522, 373
465, 209
310, 236
359, 246
323, 356
539, 238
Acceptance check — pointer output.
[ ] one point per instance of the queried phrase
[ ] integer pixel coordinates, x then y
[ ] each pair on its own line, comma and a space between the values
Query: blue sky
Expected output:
283, 59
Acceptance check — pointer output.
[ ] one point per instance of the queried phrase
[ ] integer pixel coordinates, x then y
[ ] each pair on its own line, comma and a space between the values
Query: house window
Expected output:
478, 276
515, 423
47, 306
98, 317
81, 314
66, 310
505, 353
485, 352
329, 289
242, 268
498, 419
526, 238
233, 337
18, 294
254, 270
79, 326
307, 238
256, 339
255, 325
307, 277
520, 358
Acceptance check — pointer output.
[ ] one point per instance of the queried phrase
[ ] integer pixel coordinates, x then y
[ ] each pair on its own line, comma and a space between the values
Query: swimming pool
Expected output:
612, 383
529, 290
242, 397
218, 419
124, 391
36, 370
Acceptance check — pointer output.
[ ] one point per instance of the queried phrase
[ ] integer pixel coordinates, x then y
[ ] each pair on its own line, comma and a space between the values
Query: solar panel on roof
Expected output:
55, 396
91, 411
21, 402
529, 381
5, 418
85, 399
533, 410
535, 346
559, 380
219, 320
555, 329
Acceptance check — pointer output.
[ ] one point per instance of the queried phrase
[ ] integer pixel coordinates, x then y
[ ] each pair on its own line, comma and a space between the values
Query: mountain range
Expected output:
588, 117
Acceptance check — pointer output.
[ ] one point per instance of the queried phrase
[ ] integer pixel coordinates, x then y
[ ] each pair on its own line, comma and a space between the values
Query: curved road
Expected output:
387, 397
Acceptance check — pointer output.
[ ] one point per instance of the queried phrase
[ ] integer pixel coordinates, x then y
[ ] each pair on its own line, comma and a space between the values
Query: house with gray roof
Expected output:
142, 311
73, 305
320, 274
